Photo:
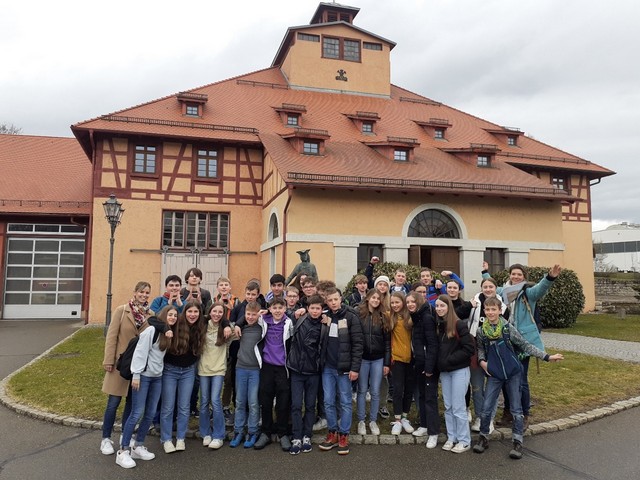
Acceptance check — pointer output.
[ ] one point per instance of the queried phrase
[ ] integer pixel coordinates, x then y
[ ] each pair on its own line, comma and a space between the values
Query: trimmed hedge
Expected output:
559, 308
564, 301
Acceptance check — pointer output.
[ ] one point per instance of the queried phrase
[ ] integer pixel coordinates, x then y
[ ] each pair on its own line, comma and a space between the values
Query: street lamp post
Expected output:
113, 213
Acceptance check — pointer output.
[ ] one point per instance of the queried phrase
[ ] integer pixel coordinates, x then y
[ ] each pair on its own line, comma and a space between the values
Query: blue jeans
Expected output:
113, 402
145, 402
211, 392
369, 379
491, 392
247, 385
454, 389
174, 379
304, 390
477, 389
333, 382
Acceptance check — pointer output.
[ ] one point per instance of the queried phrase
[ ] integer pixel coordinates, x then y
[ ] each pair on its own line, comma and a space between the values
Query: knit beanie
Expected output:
381, 278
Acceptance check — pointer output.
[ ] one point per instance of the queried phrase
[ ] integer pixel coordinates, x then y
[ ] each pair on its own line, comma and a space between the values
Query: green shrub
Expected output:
389, 269
564, 301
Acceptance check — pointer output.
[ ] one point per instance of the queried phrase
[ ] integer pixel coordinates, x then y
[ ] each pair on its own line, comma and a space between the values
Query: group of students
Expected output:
300, 350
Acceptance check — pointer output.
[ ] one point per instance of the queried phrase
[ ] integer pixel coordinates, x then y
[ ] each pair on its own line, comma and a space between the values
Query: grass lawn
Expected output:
69, 380
607, 326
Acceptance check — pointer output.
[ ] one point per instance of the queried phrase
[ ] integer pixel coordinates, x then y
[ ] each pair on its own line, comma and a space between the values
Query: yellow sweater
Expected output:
400, 342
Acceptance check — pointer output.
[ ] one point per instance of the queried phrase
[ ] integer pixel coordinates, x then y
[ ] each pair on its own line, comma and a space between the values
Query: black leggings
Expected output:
403, 378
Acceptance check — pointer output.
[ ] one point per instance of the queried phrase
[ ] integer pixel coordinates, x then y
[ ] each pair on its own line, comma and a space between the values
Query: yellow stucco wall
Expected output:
141, 228
304, 65
362, 213
579, 257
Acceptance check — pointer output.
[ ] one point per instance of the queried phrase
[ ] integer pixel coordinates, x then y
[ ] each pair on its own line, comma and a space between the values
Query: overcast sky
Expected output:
564, 71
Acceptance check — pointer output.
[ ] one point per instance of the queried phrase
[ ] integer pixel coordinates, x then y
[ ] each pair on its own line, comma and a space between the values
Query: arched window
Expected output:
433, 224
273, 232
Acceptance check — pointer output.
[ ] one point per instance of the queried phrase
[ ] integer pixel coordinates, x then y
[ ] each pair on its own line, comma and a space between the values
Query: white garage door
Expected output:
43, 277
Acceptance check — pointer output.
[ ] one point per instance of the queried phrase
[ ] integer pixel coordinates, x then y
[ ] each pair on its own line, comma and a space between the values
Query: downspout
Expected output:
285, 221
87, 246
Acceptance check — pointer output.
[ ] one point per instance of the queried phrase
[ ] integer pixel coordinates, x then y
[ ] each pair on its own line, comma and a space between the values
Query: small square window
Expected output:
367, 127
559, 182
512, 140
438, 133
192, 110
331, 47
293, 119
484, 161
145, 159
311, 148
400, 155
207, 163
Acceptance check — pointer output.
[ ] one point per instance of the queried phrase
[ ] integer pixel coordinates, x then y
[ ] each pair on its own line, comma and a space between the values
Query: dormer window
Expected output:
364, 121
311, 147
192, 103
398, 149
291, 114
192, 110
307, 141
509, 135
484, 160
436, 127
481, 154
400, 155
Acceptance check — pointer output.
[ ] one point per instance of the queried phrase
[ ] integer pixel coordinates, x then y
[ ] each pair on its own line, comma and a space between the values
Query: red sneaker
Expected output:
343, 444
329, 442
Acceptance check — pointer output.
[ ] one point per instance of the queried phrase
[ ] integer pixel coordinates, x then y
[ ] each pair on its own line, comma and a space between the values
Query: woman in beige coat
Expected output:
127, 322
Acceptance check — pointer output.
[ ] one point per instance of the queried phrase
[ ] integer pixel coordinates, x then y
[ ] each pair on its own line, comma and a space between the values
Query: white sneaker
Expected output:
397, 428
419, 432
461, 447
491, 427
367, 397
106, 447
406, 424
354, 397
362, 429
432, 441
180, 446
168, 447
321, 424
216, 443
123, 458
206, 441
475, 427
140, 452
448, 445
469, 415
375, 430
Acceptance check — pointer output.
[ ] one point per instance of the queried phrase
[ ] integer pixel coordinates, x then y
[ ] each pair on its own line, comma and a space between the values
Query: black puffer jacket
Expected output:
349, 338
304, 352
424, 339
377, 341
454, 353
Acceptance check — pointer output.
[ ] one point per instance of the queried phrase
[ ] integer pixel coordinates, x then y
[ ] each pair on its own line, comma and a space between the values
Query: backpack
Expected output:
123, 365
502, 361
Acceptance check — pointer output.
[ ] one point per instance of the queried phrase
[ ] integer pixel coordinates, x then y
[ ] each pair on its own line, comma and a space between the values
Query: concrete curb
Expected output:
572, 421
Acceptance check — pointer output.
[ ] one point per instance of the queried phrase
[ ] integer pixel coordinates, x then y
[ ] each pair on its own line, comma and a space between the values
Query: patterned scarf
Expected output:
492, 332
139, 311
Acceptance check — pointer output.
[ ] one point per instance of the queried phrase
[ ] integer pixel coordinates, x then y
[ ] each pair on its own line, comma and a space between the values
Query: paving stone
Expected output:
387, 440
371, 439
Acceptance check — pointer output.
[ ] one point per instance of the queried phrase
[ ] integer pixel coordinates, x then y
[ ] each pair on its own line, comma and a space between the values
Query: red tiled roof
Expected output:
249, 102
44, 175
